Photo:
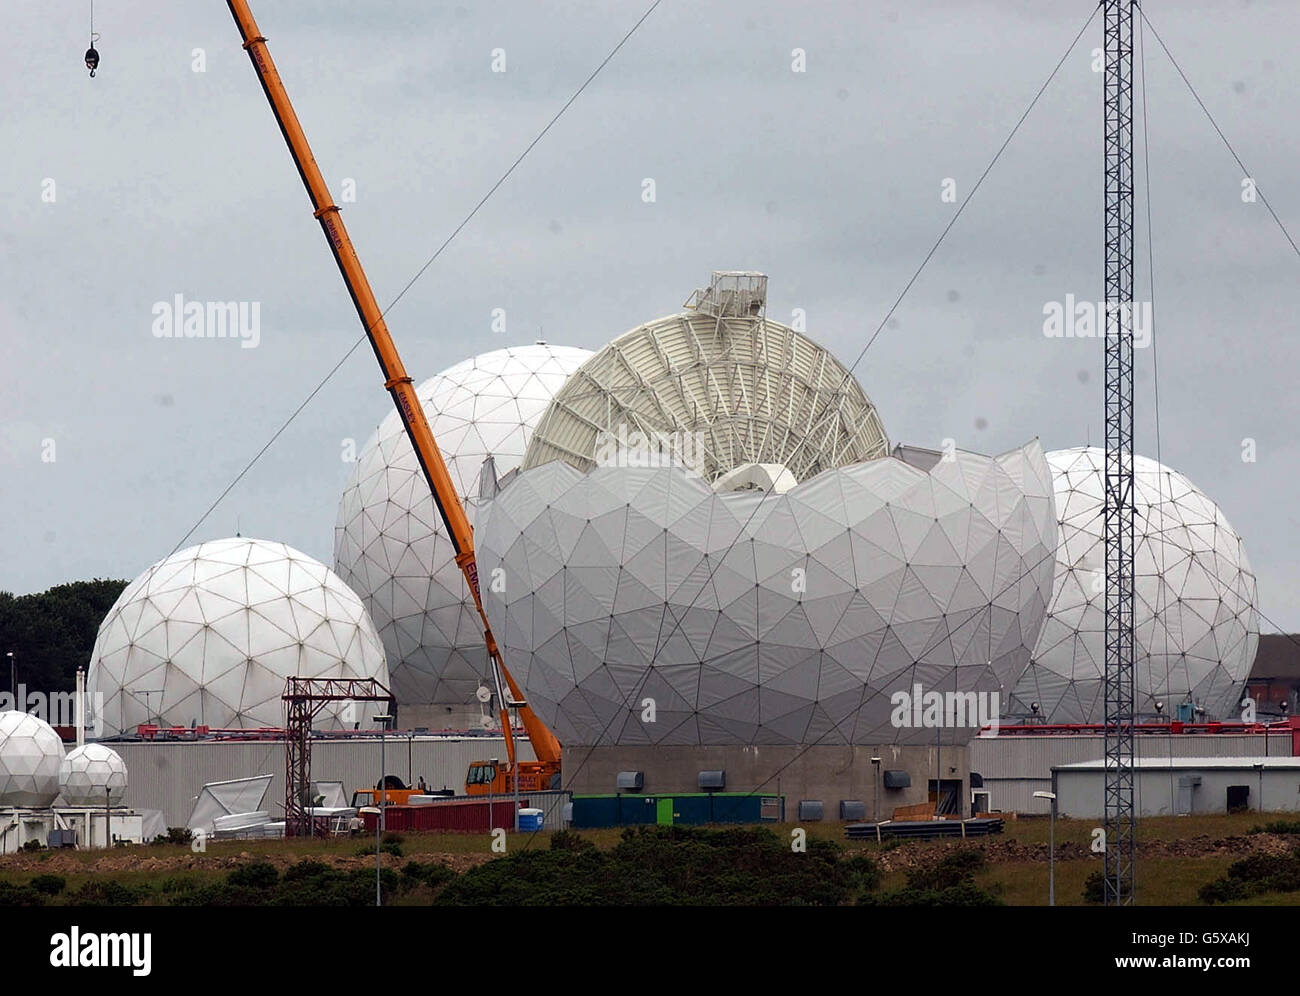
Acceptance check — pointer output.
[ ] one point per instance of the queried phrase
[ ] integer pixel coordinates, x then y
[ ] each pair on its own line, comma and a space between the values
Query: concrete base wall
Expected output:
828, 773
168, 775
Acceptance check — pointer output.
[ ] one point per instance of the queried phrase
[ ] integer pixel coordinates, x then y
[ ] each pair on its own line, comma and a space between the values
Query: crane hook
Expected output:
92, 57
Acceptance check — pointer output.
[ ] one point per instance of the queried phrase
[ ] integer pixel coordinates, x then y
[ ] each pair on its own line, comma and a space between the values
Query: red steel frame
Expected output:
304, 698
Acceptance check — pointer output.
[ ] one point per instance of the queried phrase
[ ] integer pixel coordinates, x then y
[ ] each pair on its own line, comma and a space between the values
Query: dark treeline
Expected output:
51, 633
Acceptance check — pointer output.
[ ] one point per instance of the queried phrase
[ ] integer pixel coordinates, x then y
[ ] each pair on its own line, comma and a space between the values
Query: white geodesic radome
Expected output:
1196, 623
92, 775
208, 636
390, 544
721, 381
785, 618
30, 755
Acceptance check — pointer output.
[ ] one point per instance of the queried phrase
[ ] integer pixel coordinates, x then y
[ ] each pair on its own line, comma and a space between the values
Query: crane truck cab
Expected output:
495, 778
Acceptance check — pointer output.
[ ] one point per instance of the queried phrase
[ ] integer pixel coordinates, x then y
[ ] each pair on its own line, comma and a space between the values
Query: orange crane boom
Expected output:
396, 380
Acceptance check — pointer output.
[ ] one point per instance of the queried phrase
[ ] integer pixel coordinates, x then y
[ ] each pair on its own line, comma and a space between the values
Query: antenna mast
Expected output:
1121, 819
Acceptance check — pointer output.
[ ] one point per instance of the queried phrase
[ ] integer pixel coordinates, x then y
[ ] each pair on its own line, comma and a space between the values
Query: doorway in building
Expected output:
1238, 798
946, 796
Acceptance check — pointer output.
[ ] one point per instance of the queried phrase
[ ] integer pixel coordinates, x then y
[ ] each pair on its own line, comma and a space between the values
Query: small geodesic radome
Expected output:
93, 775
30, 755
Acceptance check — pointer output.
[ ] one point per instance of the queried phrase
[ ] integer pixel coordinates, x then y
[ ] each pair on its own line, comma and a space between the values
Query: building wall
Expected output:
440, 718
1081, 794
1015, 767
829, 773
169, 775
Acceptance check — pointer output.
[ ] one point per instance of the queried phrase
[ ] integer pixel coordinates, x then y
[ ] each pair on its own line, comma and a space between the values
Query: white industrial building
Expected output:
1011, 767
1186, 785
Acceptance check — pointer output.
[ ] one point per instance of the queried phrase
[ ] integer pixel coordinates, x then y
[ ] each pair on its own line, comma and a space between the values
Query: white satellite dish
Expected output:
484, 694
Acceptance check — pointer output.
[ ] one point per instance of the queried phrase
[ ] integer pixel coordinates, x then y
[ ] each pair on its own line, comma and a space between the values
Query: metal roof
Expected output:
1183, 763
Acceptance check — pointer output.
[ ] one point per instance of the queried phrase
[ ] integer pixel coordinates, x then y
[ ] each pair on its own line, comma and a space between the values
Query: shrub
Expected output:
865, 872
257, 875
107, 892
953, 869
33, 845
1254, 875
670, 865
1094, 887
962, 894
432, 875
308, 868
1278, 827
48, 885
19, 895
568, 840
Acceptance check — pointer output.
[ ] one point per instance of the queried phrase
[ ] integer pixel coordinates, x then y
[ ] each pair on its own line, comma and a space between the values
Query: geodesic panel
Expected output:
92, 775
390, 544
30, 755
208, 636
1196, 625
778, 618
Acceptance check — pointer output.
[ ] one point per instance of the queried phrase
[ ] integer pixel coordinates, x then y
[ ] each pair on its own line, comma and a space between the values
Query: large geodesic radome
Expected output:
93, 775
390, 544
757, 617
717, 388
1196, 624
208, 636
30, 755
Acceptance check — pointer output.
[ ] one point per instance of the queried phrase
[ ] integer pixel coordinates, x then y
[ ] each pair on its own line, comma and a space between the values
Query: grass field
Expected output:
1176, 857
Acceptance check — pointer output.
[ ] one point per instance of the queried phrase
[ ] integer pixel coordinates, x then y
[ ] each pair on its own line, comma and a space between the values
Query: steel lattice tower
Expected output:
1121, 818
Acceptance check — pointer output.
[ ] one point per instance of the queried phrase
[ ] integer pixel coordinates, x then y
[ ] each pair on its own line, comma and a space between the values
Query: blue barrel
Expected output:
530, 819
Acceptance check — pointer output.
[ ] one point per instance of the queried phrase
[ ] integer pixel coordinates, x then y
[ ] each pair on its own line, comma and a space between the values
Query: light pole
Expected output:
875, 779
516, 705
381, 796
1051, 848
13, 679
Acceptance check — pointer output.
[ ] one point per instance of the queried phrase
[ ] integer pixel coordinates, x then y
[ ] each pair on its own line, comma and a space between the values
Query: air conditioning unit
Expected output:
713, 781
810, 810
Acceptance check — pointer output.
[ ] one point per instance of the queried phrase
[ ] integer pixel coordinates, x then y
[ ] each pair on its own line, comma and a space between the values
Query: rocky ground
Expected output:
181, 859
920, 855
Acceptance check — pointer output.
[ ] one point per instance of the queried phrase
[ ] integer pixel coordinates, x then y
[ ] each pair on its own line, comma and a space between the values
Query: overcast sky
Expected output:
169, 181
